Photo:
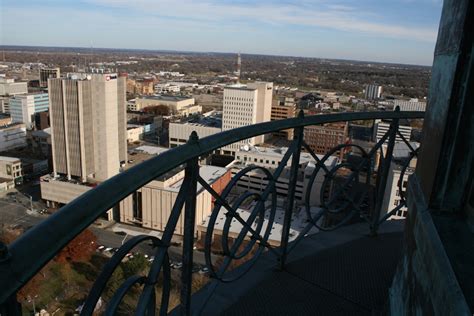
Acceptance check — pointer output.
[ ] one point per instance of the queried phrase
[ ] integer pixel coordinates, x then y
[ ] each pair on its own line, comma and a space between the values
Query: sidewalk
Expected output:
133, 231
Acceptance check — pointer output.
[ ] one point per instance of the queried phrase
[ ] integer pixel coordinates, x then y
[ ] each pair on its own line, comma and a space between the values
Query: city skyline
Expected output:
402, 31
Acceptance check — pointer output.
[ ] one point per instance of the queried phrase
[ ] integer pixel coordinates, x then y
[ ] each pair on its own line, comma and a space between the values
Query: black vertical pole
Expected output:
191, 173
295, 161
383, 175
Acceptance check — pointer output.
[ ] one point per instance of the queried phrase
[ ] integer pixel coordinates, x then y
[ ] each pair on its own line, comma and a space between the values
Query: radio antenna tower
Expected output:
239, 65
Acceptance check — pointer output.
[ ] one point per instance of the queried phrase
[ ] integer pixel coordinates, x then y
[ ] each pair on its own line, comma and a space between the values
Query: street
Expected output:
14, 212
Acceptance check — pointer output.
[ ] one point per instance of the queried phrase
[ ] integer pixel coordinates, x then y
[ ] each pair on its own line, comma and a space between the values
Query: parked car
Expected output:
204, 270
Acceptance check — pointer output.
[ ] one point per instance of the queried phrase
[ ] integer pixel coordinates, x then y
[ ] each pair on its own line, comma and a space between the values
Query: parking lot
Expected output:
15, 212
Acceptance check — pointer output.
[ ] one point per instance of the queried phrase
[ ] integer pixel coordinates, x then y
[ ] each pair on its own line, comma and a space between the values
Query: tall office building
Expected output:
48, 73
88, 125
373, 92
24, 106
246, 105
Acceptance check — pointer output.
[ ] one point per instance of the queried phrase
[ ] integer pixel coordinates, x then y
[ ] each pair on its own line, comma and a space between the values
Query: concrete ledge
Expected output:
424, 283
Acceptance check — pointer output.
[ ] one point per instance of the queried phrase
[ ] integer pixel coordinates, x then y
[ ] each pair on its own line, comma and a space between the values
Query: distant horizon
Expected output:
395, 31
207, 52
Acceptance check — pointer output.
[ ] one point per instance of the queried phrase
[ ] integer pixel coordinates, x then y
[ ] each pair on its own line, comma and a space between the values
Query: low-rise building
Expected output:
150, 207
9, 87
166, 88
57, 191
270, 158
205, 125
11, 171
5, 119
322, 138
410, 105
283, 108
41, 141
134, 133
176, 104
12, 136
382, 127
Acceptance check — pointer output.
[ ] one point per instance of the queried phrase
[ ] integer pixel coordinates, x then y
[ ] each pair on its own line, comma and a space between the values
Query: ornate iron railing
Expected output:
21, 260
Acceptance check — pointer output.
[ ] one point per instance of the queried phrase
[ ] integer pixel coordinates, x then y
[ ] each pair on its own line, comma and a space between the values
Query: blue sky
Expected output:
400, 31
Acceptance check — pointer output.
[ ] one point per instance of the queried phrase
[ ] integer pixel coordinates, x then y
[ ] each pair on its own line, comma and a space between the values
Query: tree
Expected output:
80, 249
134, 266
157, 110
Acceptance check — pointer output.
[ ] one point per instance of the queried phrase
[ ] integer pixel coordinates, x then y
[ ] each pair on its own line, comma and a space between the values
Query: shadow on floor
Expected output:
349, 279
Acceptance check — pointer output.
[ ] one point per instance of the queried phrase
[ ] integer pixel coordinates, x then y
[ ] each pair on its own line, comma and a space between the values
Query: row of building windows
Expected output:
237, 99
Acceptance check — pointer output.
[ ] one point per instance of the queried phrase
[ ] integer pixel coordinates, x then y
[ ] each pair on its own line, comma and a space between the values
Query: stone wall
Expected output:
424, 283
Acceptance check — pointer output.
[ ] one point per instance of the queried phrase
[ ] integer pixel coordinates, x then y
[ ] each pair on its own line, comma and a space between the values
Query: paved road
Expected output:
17, 213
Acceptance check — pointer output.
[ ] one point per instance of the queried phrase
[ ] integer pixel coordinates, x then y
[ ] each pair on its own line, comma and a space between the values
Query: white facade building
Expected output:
392, 197
24, 106
209, 124
12, 136
270, 158
373, 92
10, 168
88, 125
245, 105
151, 206
9, 87
4, 105
411, 105
381, 128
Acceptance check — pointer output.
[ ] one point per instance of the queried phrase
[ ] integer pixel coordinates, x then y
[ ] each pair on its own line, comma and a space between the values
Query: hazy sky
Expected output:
401, 31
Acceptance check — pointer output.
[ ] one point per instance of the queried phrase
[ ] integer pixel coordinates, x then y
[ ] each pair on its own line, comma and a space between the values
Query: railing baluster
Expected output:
383, 176
295, 161
192, 169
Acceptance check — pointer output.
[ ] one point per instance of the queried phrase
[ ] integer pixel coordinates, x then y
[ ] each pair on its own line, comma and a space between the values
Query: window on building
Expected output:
137, 205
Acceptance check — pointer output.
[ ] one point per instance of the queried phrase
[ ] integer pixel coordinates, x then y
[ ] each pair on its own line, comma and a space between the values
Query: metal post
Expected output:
295, 161
123, 240
383, 175
34, 307
191, 173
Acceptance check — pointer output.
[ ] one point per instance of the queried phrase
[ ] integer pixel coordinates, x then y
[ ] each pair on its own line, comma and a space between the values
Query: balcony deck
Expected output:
344, 272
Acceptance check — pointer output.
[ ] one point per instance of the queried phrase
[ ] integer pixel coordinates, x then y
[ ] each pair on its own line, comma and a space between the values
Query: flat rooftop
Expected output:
165, 97
151, 150
9, 159
298, 223
209, 173
240, 87
278, 153
207, 120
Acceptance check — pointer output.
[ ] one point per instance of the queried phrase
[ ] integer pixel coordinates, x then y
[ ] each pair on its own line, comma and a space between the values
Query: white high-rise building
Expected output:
9, 87
246, 105
373, 92
88, 125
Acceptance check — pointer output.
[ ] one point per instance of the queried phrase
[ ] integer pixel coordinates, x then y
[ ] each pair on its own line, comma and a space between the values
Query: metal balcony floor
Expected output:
344, 272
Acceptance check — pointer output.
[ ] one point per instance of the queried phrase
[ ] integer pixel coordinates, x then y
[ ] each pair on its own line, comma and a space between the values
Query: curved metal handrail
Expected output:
51, 235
